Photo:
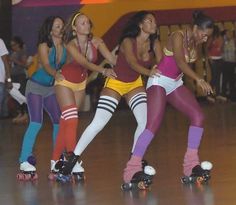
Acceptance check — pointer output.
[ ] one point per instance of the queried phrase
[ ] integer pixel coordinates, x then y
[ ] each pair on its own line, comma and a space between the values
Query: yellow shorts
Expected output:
73, 86
121, 87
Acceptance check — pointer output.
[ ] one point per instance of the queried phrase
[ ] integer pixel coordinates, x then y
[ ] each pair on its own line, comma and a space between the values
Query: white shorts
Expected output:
167, 83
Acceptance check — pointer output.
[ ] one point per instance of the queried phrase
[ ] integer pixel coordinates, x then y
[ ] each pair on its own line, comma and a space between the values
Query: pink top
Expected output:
168, 67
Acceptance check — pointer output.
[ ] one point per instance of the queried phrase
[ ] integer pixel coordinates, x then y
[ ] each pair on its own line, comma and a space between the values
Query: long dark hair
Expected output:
45, 31
68, 33
132, 29
202, 21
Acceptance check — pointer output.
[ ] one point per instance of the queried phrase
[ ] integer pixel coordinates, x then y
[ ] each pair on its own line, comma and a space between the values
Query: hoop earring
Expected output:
74, 33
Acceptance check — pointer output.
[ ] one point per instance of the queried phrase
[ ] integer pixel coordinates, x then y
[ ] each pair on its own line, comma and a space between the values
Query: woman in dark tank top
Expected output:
137, 48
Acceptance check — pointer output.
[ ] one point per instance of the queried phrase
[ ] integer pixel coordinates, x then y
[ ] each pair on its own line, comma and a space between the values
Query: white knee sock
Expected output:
138, 105
105, 108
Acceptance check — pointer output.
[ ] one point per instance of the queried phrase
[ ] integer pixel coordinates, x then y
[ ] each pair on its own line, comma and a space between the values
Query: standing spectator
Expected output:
229, 56
215, 56
5, 80
18, 59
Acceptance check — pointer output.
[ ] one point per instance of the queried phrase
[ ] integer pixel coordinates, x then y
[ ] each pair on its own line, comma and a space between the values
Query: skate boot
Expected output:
78, 172
64, 174
27, 172
141, 180
200, 174
55, 166
144, 163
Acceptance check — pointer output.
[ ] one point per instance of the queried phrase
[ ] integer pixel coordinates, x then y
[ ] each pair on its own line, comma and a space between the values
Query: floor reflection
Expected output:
28, 193
198, 194
140, 197
68, 193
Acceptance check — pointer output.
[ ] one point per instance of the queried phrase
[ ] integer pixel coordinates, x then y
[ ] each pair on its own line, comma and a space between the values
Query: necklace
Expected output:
86, 48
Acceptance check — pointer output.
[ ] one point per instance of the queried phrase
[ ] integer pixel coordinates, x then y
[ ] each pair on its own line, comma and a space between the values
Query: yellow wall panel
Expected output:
104, 15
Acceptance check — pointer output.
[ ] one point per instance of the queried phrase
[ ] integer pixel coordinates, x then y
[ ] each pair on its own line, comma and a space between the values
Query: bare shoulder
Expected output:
71, 44
96, 41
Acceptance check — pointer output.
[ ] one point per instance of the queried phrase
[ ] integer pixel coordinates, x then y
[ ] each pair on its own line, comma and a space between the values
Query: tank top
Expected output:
123, 70
41, 76
215, 48
168, 65
76, 73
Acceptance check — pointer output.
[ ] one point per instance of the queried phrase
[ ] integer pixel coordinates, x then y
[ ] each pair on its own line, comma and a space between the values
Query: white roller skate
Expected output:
54, 169
78, 172
27, 172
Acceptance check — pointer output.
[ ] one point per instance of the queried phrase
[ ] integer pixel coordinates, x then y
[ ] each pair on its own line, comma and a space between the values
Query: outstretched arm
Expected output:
178, 50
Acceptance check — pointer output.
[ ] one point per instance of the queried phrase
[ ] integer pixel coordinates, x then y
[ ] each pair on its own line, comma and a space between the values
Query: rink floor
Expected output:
105, 159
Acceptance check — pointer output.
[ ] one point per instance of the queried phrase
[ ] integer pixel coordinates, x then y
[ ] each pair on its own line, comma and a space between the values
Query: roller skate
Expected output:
200, 174
27, 170
71, 170
144, 163
141, 180
55, 166
78, 172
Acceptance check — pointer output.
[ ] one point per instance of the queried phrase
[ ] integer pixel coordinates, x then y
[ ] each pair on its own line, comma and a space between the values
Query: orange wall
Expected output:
105, 15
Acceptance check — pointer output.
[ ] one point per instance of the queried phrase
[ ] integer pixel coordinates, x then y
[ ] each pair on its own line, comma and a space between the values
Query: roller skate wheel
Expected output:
20, 176
206, 165
126, 186
199, 180
142, 185
34, 177
27, 177
185, 180
149, 170
52, 176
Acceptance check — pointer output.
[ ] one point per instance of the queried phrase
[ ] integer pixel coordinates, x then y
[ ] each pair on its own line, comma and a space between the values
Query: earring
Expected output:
74, 33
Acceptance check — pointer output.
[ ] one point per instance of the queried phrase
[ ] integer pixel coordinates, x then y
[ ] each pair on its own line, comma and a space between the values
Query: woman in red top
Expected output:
215, 55
139, 49
82, 54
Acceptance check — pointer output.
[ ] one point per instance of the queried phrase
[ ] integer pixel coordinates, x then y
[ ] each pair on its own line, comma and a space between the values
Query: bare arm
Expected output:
127, 49
79, 58
105, 51
177, 47
7, 70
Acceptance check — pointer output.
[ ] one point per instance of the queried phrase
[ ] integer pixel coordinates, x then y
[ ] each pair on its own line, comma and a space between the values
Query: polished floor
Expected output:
105, 159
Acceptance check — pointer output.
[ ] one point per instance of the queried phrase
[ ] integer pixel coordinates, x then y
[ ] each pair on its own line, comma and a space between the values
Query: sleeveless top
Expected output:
168, 65
41, 76
123, 70
76, 73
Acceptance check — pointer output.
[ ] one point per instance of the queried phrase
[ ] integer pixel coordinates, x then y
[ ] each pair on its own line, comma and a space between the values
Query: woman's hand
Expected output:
109, 73
205, 86
59, 77
154, 72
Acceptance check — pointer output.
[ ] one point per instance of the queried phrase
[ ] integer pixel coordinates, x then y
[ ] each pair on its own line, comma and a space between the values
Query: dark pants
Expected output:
228, 78
216, 71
